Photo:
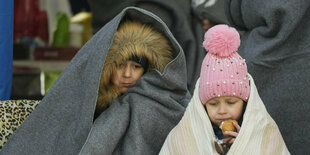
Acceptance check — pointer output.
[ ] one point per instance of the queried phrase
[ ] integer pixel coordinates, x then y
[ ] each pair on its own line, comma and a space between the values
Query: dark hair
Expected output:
143, 61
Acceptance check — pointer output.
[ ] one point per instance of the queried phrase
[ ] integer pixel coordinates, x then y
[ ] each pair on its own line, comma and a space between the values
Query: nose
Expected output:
222, 109
127, 71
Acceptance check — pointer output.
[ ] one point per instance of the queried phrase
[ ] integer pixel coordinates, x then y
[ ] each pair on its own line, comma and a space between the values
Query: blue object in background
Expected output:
6, 48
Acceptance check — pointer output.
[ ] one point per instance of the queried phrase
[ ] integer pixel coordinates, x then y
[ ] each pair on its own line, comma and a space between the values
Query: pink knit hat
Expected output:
223, 71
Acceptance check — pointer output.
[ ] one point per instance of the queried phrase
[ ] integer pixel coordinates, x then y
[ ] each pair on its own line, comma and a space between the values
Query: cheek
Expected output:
115, 78
138, 74
237, 112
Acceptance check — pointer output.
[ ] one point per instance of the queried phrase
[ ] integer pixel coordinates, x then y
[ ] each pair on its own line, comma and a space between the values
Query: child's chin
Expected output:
123, 90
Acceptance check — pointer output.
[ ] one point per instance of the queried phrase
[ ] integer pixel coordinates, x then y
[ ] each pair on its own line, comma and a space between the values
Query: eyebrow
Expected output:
226, 99
232, 100
213, 101
137, 63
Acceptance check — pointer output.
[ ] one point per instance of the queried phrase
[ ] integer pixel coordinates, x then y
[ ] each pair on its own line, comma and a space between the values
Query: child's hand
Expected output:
231, 135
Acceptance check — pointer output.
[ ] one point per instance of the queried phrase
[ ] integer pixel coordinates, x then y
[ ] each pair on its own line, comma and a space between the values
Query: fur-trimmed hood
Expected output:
132, 39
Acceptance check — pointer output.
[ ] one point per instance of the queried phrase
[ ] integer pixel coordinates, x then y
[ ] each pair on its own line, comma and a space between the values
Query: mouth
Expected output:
222, 120
127, 84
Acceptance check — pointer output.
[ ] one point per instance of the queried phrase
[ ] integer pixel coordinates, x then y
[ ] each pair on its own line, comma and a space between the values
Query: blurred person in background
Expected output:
275, 43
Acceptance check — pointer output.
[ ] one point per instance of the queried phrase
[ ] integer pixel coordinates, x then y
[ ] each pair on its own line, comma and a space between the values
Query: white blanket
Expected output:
259, 134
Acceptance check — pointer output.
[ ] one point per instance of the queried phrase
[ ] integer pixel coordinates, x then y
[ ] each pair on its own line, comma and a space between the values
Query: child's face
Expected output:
126, 75
224, 108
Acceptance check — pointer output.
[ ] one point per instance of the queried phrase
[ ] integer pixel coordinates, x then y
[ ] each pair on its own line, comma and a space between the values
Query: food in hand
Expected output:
227, 126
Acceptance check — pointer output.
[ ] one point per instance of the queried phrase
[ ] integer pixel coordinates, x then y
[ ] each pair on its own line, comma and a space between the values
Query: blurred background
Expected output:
47, 35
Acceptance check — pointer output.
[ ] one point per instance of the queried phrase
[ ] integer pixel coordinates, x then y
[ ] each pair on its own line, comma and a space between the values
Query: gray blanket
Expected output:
136, 123
276, 46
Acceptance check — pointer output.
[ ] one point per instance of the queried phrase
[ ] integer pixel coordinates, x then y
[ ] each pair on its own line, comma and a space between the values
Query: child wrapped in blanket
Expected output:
225, 94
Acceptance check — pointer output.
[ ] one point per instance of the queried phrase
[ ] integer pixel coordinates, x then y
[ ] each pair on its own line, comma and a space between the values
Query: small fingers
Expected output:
231, 134
237, 126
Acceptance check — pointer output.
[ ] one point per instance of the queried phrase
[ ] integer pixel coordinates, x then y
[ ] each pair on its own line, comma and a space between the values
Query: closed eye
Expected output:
121, 65
231, 102
212, 103
138, 66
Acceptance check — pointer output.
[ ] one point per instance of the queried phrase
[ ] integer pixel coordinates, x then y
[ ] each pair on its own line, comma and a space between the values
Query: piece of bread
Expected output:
227, 126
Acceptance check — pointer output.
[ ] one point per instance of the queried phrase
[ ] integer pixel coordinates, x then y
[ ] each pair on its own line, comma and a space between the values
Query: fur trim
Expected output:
132, 38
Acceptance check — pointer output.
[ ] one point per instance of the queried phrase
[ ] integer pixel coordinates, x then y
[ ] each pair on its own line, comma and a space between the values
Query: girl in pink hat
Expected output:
225, 93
